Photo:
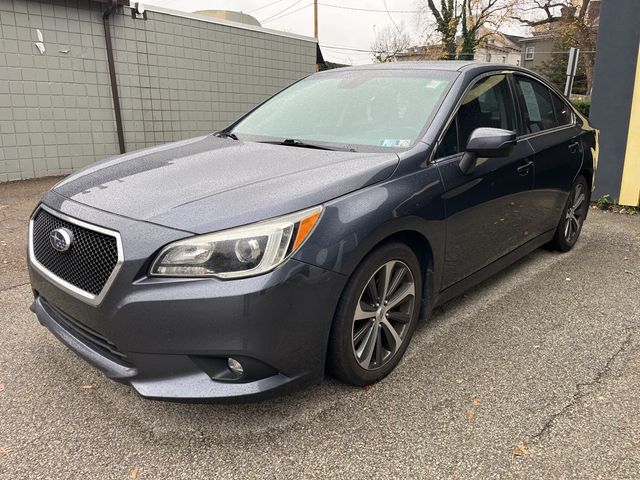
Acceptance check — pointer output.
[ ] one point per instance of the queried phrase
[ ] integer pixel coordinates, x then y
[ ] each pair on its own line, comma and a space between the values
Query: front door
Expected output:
488, 211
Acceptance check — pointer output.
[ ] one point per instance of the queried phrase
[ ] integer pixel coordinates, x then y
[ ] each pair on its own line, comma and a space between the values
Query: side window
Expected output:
487, 104
563, 112
537, 105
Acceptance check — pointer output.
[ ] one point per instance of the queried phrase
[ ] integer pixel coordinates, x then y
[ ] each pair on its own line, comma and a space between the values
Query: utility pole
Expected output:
315, 27
315, 18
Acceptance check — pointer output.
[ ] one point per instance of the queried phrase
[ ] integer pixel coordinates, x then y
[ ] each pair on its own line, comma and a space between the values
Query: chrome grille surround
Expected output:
84, 295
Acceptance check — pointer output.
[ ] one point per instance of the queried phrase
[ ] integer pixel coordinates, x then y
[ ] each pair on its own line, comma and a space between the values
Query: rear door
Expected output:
487, 210
550, 127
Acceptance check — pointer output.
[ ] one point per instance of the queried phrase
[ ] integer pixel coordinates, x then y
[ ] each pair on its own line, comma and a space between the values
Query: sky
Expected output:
338, 28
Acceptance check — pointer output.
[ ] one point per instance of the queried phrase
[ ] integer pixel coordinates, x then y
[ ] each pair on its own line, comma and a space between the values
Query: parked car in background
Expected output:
313, 233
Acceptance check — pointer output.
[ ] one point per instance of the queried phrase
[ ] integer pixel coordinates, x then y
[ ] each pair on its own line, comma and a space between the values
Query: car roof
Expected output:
446, 65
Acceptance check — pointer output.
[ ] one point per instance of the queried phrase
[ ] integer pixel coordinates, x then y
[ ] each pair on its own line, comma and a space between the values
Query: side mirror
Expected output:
486, 142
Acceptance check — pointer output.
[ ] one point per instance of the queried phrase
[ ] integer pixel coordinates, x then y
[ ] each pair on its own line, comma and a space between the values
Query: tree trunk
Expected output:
449, 47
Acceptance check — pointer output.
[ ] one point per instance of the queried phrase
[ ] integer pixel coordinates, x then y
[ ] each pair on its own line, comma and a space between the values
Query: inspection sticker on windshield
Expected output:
394, 143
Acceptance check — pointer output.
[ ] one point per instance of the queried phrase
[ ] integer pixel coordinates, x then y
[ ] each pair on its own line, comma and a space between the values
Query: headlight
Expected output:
238, 252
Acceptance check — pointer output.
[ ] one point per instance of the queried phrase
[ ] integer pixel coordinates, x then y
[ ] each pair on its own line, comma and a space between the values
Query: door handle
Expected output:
524, 168
574, 147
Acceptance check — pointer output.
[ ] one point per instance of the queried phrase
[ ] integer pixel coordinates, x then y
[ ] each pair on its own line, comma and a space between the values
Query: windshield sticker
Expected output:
394, 143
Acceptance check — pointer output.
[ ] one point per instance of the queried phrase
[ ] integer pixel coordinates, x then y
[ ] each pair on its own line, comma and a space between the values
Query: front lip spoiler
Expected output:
200, 387
111, 369
204, 390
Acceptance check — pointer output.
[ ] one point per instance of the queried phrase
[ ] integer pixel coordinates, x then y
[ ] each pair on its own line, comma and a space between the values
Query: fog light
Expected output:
235, 366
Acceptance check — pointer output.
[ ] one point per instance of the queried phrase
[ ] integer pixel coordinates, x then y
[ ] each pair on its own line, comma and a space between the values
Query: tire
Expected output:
362, 349
573, 216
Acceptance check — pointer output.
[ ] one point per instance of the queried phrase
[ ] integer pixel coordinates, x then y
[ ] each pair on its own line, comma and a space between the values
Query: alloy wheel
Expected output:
575, 213
382, 316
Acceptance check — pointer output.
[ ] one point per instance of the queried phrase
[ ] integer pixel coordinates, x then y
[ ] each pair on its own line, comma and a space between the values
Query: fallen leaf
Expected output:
1, 387
87, 387
134, 474
469, 415
5, 451
475, 402
520, 450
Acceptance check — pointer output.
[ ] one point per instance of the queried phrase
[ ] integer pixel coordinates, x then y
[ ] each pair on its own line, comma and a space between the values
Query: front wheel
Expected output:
573, 215
376, 316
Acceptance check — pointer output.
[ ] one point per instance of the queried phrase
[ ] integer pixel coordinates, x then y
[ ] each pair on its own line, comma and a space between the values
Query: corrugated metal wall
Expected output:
179, 76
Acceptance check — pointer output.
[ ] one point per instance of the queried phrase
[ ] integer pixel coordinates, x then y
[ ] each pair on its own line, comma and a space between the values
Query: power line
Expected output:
335, 47
282, 11
375, 10
265, 6
567, 52
340, 7
286, 14
390, 17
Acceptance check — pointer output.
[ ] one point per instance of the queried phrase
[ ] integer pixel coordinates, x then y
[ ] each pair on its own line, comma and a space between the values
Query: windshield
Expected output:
386, 109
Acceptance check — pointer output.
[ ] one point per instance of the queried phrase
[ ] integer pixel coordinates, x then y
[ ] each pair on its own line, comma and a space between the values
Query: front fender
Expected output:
351, 226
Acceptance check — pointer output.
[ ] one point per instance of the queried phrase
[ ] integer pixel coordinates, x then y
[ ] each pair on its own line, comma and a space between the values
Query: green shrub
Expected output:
604, 202
583, 106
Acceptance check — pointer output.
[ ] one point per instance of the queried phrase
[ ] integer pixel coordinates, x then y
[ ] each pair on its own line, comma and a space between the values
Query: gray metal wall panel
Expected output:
178, 77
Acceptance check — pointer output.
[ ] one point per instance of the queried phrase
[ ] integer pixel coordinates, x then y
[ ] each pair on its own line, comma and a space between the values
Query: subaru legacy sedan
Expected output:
312, 234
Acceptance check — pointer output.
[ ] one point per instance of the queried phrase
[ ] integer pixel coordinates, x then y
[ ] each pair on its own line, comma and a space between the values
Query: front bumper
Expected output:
170, 336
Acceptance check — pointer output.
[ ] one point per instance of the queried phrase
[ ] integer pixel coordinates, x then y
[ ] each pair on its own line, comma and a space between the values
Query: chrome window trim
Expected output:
71, 289
526, 136
544, 132
573, 122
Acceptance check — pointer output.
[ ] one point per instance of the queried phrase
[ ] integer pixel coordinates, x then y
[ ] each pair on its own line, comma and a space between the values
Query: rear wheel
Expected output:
376, 316
573, 215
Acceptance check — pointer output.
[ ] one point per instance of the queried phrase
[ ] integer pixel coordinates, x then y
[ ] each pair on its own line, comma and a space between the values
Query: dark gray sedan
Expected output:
313, 233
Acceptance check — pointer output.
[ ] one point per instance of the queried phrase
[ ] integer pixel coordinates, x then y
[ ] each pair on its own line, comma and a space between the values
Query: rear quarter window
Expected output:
564, 115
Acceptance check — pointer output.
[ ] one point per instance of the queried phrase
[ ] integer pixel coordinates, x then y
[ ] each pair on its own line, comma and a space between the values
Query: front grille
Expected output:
87, 264
86, 335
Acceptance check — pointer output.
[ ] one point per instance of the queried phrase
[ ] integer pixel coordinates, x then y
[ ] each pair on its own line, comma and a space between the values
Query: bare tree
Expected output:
389, 42
469, 17
479, 20
447, 18
576, 22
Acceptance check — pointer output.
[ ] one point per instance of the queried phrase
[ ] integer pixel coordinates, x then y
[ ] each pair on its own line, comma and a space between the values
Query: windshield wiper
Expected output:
224, 134
292, 142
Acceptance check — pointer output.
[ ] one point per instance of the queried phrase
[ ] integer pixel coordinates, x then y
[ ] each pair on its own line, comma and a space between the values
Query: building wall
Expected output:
544, 46
615, 103
497, 55
179, 76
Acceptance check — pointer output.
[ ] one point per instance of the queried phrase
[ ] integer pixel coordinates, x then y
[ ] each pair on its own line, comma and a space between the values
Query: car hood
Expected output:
209, 183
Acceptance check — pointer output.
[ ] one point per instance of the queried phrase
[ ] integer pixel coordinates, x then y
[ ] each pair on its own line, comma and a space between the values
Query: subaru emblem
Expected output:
61, 239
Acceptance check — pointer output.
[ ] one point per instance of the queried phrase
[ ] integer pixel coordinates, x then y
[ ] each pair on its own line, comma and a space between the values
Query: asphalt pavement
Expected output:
533, 374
